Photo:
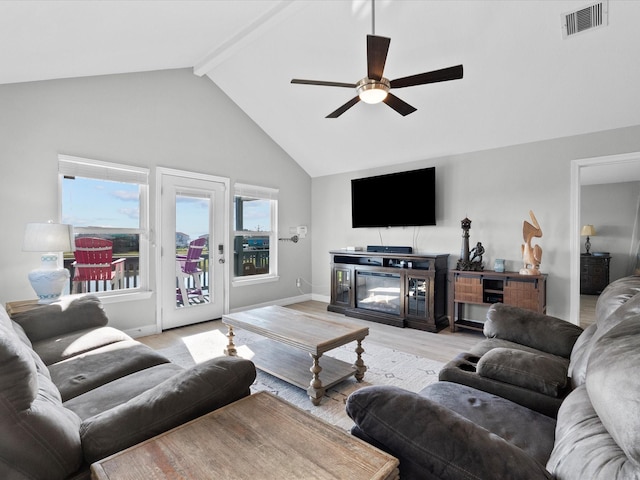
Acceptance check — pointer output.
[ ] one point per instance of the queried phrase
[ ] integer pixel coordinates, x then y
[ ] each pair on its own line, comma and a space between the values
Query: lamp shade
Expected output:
588, 231
48, 237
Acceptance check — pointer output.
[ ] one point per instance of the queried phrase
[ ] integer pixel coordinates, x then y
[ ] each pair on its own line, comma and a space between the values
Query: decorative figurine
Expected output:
476, 253
469, 260
531, 255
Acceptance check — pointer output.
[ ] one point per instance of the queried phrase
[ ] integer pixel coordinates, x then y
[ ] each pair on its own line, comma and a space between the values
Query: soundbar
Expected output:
388, 249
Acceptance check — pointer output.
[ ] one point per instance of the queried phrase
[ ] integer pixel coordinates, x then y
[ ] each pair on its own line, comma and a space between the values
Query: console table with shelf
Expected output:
400, 289
488, 287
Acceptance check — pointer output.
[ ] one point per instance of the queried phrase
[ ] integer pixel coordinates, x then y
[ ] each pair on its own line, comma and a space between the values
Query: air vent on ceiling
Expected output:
587, 18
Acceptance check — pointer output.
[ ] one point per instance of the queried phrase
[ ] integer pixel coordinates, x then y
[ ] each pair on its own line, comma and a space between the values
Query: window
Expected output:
255, 241
106, 201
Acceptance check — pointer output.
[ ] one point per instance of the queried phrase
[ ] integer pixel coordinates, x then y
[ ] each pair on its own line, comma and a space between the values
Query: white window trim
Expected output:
89, 168
266, 193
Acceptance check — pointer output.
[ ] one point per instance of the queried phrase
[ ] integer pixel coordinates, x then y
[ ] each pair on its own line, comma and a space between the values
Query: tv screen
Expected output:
395, 200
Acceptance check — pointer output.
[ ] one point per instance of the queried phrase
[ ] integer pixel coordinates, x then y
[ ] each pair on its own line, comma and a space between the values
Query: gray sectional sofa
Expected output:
451, 430
74, 390
525, 358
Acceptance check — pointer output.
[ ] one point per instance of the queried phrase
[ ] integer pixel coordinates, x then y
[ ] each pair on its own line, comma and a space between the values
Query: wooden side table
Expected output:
259, 436
22, 306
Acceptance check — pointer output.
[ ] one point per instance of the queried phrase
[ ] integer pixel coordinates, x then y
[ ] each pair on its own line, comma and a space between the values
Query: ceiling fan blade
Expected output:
323, 83
443, 75
344, 108
377, 48
400, 106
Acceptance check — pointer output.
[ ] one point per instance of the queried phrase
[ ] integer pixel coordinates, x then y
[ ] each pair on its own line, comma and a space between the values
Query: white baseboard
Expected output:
282, 302
142, 331
320, 298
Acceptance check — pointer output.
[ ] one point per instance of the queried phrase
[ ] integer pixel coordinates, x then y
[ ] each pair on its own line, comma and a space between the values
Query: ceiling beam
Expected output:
280, 11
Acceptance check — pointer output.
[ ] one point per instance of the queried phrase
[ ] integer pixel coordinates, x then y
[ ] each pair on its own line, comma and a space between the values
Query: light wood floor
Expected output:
442, 346
587, 309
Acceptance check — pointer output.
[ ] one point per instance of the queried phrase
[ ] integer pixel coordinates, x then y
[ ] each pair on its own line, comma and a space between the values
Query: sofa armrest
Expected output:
62, 317
183, 397
536, 330
432, 441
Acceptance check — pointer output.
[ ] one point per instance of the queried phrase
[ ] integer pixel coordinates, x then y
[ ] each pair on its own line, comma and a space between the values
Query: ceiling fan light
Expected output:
374, 95
373, 91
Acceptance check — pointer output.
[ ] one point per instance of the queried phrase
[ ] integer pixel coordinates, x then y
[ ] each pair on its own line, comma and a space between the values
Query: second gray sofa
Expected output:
450, 431
73, 390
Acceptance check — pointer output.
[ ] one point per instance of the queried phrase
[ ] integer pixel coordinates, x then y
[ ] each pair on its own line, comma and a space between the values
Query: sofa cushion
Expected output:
121, 390
483, 346
82, 373
531, 431
539, 372
19, 331
40, 437
615, 295
44, 441
18, 372
539, 331
584, 449
67, 315
580, 356
613, 384
434, 441
203, 388
625, 304
61, 347
463, 370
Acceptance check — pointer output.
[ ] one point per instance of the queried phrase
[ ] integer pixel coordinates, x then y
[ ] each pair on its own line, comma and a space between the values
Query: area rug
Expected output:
385, 366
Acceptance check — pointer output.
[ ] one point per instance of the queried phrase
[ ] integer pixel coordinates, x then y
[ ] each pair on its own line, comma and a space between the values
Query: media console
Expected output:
400, 289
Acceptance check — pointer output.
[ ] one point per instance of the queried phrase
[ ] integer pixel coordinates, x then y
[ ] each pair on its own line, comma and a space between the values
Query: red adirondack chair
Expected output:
94, 261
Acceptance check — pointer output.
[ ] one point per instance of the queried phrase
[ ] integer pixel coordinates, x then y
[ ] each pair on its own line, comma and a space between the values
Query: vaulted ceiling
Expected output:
522, 81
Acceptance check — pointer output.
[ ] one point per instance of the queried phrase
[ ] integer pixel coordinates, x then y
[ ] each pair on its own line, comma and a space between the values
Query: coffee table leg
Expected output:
231, 348
315, 390
359, 364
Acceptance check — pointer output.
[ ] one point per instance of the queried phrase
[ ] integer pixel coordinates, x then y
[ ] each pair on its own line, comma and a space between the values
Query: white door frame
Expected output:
157, 237
574, 237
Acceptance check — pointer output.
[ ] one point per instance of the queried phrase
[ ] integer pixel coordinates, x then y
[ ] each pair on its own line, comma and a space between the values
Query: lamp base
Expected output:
48, 283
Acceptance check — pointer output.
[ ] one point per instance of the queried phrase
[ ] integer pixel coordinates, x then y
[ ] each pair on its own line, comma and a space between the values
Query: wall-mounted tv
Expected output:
400, 199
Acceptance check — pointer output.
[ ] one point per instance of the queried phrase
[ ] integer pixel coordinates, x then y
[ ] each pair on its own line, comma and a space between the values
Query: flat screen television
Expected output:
400, 199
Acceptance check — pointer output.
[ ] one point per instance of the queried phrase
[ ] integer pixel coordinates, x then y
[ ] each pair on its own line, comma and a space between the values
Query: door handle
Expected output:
221, 260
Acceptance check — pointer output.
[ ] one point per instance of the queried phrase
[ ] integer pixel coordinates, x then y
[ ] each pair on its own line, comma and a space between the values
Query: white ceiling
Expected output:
522, 81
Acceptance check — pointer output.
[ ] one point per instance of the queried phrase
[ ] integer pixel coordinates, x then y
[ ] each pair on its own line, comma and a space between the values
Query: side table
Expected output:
22, 306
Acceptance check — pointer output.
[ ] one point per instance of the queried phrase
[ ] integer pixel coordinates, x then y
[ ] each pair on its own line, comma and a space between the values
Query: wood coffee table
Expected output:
297, 336
260, 436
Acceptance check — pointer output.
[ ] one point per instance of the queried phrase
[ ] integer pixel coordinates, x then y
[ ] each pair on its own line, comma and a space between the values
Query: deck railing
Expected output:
259, 258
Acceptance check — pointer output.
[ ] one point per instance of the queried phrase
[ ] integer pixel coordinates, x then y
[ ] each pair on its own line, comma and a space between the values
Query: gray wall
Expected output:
170, 119
613, 210
495, 189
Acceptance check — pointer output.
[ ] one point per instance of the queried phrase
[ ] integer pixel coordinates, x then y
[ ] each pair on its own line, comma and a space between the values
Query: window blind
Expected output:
253, 191
83, 167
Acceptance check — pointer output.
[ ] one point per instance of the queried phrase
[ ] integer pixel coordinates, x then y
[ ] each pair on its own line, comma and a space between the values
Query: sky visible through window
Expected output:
256, 215
88, 202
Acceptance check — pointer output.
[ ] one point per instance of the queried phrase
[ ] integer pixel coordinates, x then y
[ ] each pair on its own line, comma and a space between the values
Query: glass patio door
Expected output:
193, 251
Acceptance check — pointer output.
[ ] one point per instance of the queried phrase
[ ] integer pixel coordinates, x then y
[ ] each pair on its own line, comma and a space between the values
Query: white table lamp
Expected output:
50, 238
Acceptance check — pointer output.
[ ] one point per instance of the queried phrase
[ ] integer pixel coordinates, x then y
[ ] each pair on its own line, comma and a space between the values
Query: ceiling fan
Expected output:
374, 88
